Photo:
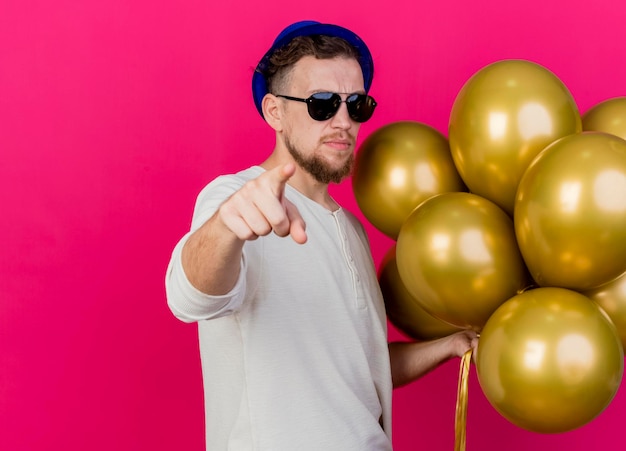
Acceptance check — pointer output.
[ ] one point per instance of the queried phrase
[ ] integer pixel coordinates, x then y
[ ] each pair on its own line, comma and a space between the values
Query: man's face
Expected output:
325, 149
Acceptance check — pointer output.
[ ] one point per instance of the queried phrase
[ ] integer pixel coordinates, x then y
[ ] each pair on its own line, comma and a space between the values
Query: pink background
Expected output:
114, 114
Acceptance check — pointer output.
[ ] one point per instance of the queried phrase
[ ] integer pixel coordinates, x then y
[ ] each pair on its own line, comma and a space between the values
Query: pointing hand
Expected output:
260, 207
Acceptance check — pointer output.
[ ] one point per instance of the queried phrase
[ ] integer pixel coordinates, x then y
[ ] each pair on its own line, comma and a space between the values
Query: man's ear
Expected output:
272, 111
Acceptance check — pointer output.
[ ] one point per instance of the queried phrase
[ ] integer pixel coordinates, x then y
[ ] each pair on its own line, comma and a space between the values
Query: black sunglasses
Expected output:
324, 105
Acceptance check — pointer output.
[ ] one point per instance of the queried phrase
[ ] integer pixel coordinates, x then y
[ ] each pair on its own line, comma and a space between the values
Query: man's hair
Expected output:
318, 46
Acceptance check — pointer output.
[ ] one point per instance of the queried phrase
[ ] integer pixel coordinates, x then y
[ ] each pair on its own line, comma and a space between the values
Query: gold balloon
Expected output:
549, 360
399, 166
612, 298
403, 310
457, 256
570, 212
504, 115
608, 116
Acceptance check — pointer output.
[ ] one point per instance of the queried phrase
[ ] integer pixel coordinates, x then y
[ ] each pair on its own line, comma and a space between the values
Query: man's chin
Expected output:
331, 176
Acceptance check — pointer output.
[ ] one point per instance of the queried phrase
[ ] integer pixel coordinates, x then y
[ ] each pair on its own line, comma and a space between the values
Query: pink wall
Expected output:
114, 114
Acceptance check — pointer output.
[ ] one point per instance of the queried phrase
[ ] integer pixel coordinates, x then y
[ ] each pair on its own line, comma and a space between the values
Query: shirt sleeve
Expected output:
188, 303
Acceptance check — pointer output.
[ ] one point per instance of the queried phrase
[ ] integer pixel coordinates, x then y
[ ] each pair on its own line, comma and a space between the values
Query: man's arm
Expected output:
412, 360
212, 254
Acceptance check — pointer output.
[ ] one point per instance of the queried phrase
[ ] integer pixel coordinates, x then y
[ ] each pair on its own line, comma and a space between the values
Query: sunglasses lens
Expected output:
323, 105
360, 107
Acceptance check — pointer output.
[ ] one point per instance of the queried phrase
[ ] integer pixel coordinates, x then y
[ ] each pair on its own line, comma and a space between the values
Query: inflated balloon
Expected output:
612, 298
504, 115
570, 212
608, 116
549, 360
399, 166
403, 310
457, 256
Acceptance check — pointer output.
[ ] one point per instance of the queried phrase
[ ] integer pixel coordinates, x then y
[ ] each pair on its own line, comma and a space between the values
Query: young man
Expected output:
280, 278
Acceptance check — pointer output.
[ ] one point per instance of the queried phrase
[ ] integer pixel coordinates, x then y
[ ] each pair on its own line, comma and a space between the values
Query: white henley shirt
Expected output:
295, 357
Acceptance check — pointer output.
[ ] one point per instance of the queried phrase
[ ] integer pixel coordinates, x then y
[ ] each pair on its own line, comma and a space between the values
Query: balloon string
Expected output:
461, 402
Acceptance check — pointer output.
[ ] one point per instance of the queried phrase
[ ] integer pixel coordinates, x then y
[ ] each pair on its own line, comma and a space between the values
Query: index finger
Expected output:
280, 175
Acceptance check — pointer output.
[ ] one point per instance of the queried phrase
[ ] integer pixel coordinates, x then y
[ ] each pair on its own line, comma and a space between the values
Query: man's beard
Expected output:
318, 168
